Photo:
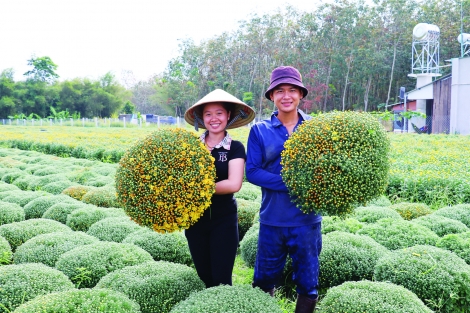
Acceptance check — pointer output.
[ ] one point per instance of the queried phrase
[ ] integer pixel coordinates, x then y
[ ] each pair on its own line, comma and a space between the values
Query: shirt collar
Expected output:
225, 143
276, 122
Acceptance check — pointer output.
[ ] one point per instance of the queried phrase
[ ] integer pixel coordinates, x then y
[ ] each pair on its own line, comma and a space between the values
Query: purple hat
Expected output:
285, 75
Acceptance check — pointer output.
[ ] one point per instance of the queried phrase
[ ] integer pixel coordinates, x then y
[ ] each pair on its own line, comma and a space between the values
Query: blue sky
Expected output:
88, 38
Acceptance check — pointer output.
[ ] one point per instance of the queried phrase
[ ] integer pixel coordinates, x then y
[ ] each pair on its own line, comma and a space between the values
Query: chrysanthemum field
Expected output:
66, 242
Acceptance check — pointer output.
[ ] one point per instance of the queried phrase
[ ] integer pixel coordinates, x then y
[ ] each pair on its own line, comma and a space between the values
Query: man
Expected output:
284, 228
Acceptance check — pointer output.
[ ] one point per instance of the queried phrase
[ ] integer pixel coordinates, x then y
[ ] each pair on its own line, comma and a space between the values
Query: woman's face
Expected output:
215, 117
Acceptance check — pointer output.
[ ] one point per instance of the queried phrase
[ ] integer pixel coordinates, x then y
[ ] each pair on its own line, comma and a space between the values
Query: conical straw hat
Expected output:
243, 113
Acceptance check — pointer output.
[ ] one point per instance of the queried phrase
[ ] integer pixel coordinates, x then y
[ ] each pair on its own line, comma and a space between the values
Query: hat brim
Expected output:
286, 80
220, 95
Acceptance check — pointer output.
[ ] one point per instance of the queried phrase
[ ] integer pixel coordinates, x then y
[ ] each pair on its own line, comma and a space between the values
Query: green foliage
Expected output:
171, 247
249, 245
371, 297
21, 283
80, 301
441, 225
411, 211
23, 182
460, 212
10, 212
397, 234
37, 207
371, 214
155, 286
221, 299
438, 277
335, 223
99, 259
82, 218
19, 232
57, 187
21, 197
47, 248
128, 108
46, 170
249, 192
347, 164
457, 243
76, 191
348, 257
380, 201
5, 252
166, 180
5, 186
247, 210
113, 228
60, 211
43, 69
40, 182
102, 197
12, 174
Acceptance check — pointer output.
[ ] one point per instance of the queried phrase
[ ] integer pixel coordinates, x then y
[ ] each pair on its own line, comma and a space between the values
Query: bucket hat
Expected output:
241, 114
285, 75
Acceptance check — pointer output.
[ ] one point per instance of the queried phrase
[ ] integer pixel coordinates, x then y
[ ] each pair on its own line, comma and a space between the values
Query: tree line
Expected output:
353, 55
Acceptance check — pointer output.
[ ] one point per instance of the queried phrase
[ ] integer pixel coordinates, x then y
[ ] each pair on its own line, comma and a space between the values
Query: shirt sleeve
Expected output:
237, 150
255, 173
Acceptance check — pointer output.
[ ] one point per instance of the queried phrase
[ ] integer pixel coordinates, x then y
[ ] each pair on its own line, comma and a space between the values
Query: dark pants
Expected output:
213, 245
303, 244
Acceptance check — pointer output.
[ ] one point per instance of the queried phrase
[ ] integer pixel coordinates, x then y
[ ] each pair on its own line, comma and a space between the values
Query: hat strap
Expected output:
197, 121
242, 115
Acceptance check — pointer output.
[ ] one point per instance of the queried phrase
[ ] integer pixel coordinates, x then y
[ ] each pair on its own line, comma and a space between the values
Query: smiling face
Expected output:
215, 117
286, 97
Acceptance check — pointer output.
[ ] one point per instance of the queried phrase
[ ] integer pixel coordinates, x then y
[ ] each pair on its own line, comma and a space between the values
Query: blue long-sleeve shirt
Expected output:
263, 168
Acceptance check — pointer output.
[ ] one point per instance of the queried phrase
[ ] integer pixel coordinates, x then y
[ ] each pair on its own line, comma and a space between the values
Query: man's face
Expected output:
286, 97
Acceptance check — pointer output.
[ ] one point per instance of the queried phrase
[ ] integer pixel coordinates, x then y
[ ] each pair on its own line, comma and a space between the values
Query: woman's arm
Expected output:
233, 184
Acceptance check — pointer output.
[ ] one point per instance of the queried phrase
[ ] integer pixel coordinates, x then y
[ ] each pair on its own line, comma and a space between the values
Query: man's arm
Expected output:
255, 173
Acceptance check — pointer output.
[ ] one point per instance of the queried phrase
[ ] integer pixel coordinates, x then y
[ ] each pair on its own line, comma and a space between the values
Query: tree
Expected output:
43, 69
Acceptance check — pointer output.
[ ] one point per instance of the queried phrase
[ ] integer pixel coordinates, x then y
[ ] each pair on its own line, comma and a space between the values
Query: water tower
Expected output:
425, 60
464, 41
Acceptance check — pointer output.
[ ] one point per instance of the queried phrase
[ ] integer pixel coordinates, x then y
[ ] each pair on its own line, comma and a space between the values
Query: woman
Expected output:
213, 239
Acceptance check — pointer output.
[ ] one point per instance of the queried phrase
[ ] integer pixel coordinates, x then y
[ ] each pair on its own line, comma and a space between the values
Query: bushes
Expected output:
5, 186
86, 265
47, 248
78, 301
371, 297
40, 182
221, 299
10, 212
103, 197
249, 192
249, 245
60, 211
23, 282
441, 225
460, 212
19, 232
22, 197
381, 201
457, 243
436, 276
171, 247
155, 286
334, 223
5, 252
36, 208
57, 187
76, 191
82, 218
113, 228
396, 234
246, 212
348, 257
371, 214
410, 211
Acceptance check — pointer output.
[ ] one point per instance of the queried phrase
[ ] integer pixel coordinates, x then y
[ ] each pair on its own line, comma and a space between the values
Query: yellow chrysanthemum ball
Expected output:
165, 181
335, 161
